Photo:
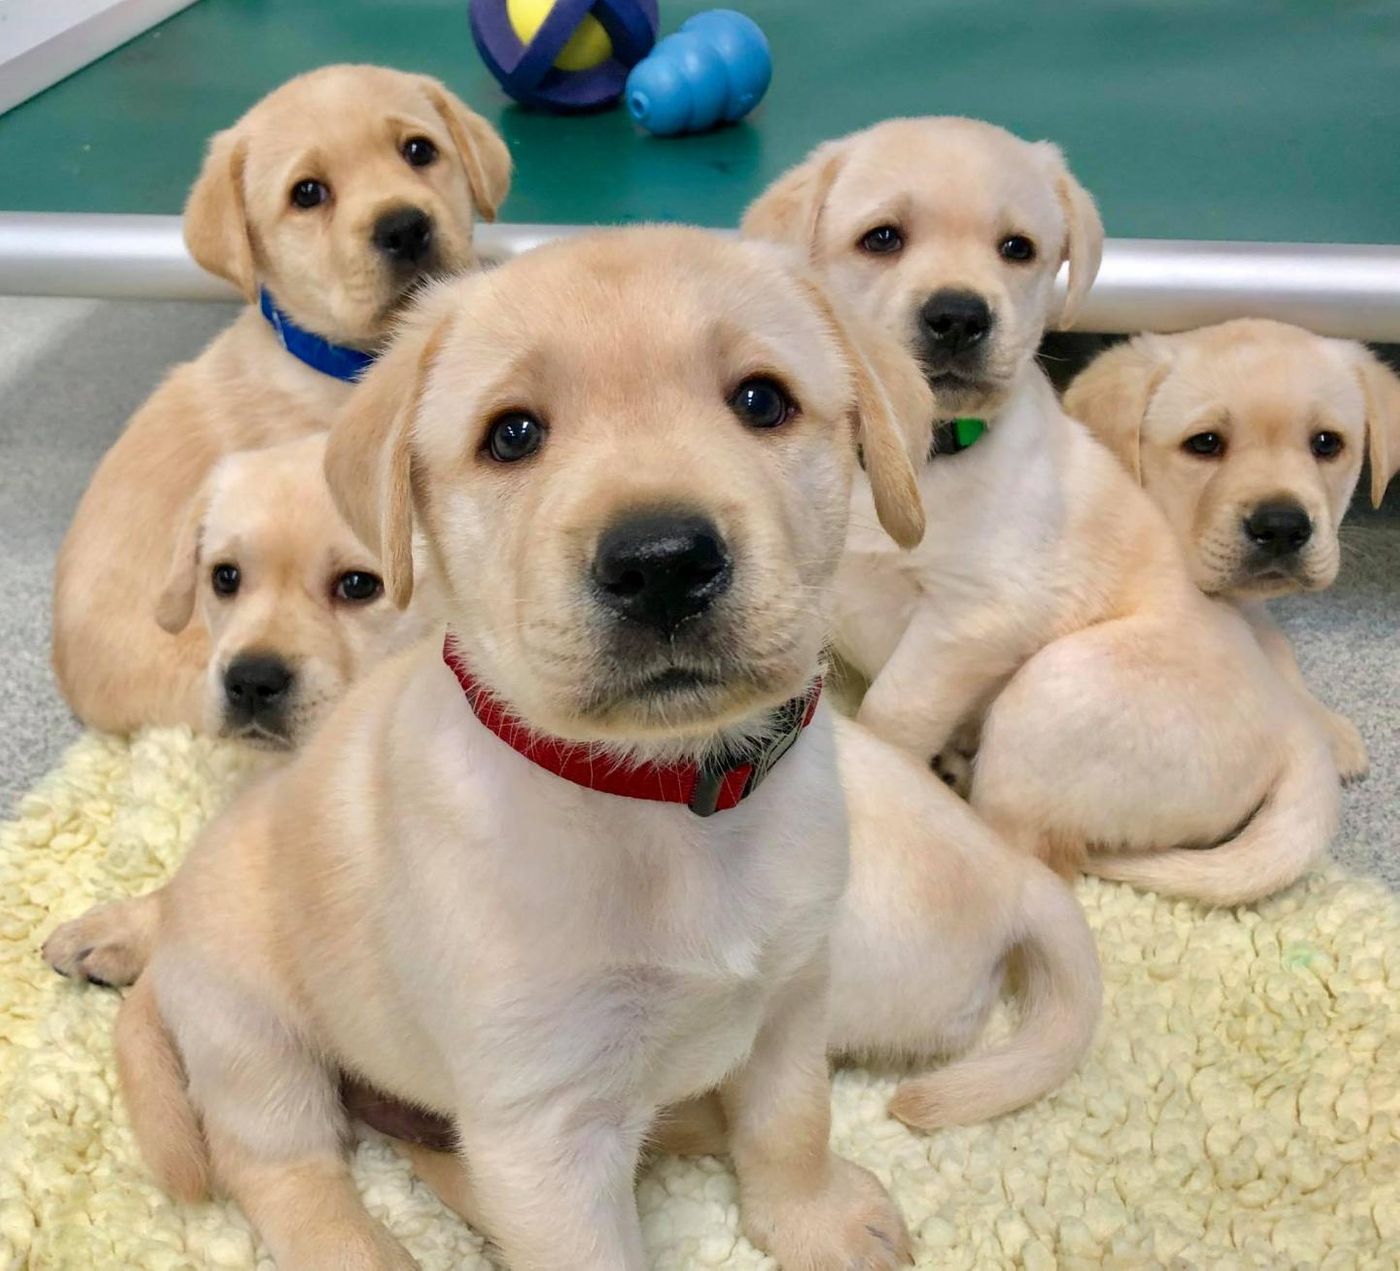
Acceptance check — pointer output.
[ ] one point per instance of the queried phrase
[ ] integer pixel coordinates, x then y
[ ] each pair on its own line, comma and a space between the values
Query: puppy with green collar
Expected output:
1126, 721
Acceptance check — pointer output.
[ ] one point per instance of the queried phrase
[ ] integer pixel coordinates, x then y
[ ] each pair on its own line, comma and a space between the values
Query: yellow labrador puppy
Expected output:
292, 601
1125, 719
1250, 436
325, 205
583, 860
295, 611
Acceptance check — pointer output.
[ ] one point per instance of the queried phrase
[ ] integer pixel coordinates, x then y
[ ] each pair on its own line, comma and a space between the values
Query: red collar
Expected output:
702, 788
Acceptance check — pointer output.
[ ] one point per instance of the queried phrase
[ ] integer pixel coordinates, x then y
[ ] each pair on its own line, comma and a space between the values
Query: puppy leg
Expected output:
447, 1175
271, 1112
1343, 739
934, 681
1131, 735
693, 1128
109, 945
809, 1208
307, 1209
552, 1185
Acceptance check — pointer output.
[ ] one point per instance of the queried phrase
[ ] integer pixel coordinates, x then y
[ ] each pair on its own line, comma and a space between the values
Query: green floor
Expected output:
1239, 119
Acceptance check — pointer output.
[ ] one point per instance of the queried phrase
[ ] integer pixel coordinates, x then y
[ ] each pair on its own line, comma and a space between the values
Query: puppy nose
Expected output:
256, 684
955, 321
660, 570
404, 235
1276, 529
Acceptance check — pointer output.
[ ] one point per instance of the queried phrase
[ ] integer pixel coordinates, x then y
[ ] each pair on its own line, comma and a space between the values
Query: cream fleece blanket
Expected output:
1241, 1109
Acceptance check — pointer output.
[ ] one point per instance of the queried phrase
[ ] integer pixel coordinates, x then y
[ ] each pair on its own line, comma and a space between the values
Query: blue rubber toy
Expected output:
714, 70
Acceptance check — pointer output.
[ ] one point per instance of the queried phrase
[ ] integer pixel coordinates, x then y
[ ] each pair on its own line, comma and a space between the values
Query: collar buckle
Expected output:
709, 781
789, 720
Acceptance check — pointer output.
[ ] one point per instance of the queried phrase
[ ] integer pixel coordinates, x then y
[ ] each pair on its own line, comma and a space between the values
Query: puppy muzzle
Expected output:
259, 694
953, 336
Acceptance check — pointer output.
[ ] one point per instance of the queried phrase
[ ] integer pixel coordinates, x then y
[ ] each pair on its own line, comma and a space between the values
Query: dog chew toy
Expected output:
714, 70
563, 55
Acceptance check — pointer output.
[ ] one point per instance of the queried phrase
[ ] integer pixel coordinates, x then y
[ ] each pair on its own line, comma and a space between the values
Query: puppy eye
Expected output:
1017, 248
358, 585
1327, 445
882, 240
1209, 445
514, 436
419, 152
225, 579
310, 193
762, 403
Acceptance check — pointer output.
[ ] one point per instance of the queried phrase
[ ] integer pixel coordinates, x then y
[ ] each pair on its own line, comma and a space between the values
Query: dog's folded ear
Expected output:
1112, 394
1380, 386
175, 605
790, 210
369, 454
1083, 245
483, 153
216, 221
893, 411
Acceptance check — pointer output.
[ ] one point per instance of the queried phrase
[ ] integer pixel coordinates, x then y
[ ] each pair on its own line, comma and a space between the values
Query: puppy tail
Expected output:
1291, 829
1061, 991
153, 1084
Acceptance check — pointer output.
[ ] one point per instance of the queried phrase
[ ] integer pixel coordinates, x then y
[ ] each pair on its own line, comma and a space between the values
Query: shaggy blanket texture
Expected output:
1241, 1109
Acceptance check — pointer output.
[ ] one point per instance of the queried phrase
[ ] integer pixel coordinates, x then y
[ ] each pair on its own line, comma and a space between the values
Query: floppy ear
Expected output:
369, 455
1381, 388
1112, 394
892, 404
216, 222
790, 210
1083, 247
483, 153
175, 606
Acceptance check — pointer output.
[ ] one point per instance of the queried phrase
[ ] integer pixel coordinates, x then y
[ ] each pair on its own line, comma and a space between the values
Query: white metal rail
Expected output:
1145, 284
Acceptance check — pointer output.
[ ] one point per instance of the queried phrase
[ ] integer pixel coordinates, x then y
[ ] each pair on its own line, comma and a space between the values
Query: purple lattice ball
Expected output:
527, 71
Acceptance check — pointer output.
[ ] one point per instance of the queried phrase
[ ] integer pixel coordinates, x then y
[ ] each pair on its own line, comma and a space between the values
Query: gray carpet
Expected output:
72, 371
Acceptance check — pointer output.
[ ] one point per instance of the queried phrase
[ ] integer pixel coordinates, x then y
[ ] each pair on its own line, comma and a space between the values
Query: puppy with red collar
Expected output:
585, 862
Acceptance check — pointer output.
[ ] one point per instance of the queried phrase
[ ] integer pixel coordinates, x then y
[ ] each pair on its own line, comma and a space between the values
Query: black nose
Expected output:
659, 570
404, 235
256, 685
1277, 529
954, 321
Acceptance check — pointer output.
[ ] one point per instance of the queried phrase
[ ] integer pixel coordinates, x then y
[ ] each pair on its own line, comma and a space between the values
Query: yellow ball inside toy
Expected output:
589, 45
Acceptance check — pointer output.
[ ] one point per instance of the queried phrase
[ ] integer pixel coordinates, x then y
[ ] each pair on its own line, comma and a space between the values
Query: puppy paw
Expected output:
849, 1225
108, 945
1348, 750
954, 769
380, 1252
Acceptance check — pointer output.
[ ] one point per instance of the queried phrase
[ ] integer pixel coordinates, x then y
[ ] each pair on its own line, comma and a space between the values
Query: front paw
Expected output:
1348, 750
105, 946
954, 768
850, 1224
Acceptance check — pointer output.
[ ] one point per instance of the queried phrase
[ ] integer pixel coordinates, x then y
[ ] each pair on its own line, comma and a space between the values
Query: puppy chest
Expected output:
634, 1035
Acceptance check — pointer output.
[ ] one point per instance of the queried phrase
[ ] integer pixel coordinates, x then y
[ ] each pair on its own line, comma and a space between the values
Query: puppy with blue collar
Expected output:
326, 206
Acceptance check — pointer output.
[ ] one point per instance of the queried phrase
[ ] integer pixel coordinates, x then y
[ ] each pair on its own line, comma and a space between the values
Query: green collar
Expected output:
955, 435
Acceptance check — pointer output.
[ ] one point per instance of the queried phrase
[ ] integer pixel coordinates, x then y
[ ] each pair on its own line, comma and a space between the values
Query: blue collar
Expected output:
335, 360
